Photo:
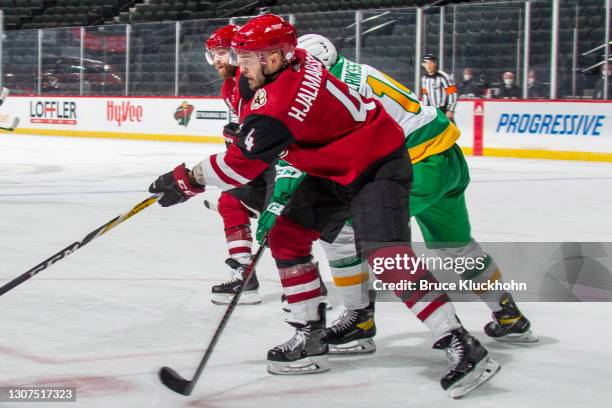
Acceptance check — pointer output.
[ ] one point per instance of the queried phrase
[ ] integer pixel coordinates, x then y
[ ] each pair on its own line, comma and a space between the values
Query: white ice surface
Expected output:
107, 317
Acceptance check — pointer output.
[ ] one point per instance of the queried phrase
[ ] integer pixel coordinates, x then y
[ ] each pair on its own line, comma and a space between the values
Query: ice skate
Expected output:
509, 325
468, 363
223, 293
353, 332
305, 353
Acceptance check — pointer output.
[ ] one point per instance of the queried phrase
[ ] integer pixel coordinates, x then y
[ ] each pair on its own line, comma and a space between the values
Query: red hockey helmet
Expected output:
263, 33
220, 41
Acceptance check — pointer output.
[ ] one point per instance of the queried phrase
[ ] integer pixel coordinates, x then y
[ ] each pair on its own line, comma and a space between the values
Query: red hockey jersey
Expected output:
230, 93
312, 120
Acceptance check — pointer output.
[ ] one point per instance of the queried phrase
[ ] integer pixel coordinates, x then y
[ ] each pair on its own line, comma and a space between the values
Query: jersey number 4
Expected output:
359, 112
249, 141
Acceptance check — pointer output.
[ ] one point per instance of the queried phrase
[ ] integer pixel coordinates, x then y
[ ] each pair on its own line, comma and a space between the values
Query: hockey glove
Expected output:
288, 179
176, 187
267, 219
230, 133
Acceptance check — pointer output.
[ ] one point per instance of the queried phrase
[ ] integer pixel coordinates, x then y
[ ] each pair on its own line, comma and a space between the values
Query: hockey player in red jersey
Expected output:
324, 128
237, 205
217, 54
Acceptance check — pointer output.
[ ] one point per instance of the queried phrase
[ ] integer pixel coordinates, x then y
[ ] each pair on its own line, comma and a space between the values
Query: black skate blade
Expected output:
356, 347
526, 337
248, 298
483, 372
306, 365
174, 381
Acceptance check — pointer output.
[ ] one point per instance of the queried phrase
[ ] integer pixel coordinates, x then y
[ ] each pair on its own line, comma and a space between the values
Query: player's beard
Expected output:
260, 78
226, 71
256, 80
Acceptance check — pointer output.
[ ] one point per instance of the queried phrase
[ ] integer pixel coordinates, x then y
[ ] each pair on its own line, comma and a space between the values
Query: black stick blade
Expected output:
174, 381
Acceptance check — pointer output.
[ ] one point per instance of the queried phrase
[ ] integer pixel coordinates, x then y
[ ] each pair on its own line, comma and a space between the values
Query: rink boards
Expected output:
182, 119
565, 130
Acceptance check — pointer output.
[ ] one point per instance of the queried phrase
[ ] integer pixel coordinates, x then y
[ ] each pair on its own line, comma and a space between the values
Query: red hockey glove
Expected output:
176, 186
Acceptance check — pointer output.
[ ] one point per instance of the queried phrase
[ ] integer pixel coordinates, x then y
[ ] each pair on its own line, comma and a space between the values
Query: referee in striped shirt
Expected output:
437, 88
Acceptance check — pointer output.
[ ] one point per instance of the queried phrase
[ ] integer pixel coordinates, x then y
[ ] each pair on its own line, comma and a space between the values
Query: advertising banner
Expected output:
180, 119
544, 125
568, 130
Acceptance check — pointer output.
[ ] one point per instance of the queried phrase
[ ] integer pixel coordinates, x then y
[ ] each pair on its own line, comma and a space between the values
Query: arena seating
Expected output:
487, 35
66, 13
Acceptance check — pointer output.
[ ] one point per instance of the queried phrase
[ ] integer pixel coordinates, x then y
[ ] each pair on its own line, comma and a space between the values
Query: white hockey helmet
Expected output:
320, 48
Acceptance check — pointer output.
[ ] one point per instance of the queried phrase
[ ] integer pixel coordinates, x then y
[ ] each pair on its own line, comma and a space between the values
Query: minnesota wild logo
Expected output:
182, 114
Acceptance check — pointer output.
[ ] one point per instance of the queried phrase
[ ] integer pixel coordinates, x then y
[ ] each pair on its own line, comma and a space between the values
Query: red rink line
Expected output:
221, 400
46, 360
85, 385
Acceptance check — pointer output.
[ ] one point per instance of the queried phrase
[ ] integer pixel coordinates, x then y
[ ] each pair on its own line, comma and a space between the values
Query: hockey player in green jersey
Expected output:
437, 201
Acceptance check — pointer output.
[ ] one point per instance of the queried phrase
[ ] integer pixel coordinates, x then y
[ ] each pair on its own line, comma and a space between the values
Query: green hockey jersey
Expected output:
428, 131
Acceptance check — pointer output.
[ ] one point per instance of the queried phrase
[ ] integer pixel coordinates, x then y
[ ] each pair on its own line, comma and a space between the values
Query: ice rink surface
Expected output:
107, 317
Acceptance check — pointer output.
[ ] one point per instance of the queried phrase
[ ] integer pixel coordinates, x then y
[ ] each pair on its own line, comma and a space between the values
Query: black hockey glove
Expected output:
176, 187
230, 133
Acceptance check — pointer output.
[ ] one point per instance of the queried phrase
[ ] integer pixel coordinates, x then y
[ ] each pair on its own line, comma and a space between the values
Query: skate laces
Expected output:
236, 278
346, 320
236, 274
299, 338
454, 352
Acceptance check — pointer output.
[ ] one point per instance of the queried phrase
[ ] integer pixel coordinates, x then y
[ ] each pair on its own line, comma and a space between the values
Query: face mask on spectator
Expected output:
508, 81
531, 80
467, 77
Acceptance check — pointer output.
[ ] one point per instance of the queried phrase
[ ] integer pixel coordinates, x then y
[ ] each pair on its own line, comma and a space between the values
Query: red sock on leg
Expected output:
237, 227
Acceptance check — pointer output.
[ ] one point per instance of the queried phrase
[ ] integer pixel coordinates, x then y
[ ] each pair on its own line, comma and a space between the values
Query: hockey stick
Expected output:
78, 244
4, 93
173, 380
13, 125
